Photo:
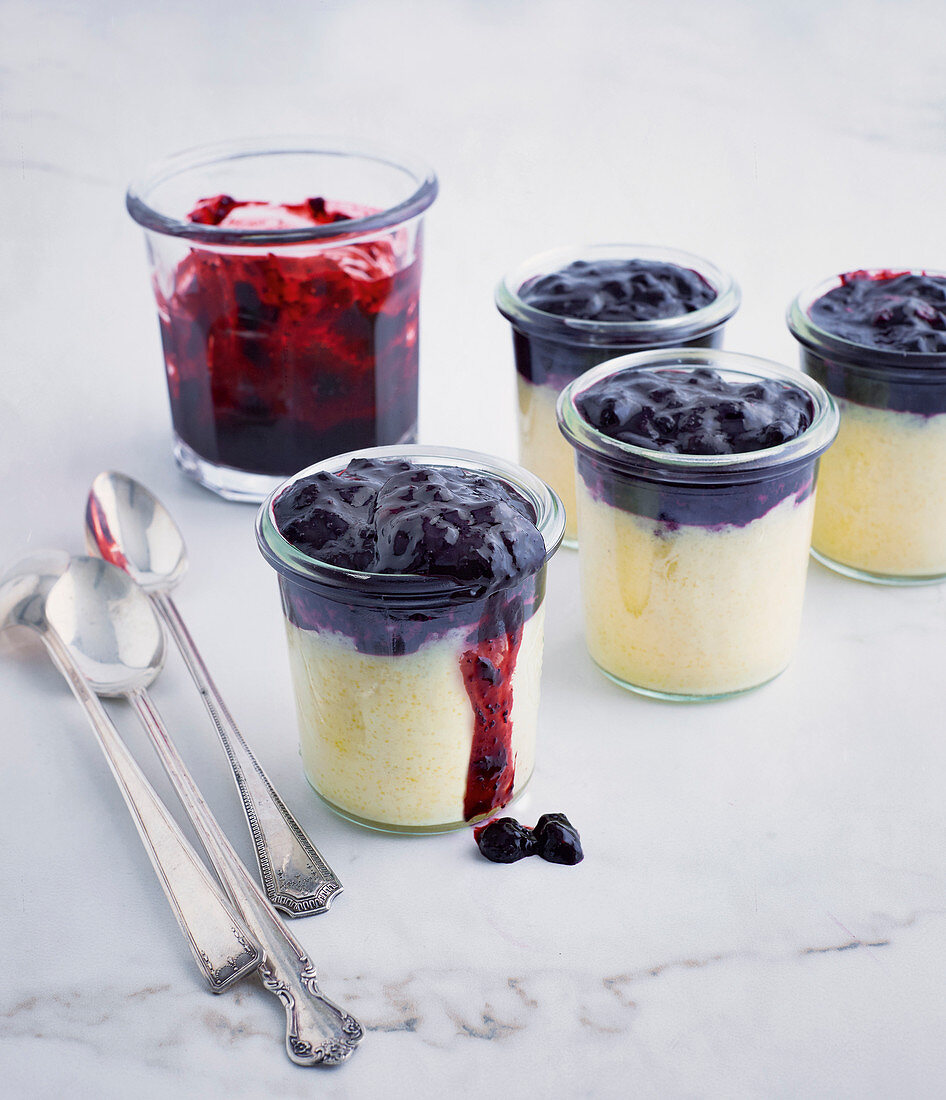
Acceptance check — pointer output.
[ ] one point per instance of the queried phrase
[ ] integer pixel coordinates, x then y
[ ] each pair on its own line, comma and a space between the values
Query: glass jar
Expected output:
285, 341
881, 512
551, 350
417, 696
693, 567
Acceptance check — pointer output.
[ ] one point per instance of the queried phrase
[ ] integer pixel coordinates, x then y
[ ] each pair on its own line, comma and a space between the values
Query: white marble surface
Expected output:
761, 911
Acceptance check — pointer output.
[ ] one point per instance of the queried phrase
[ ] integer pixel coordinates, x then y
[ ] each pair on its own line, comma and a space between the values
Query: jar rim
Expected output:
683, 468
140, 206
577, 330
293, 563
907, 365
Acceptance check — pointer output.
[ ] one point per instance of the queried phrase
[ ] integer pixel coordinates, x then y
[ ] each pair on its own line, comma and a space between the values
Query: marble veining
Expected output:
433, 1005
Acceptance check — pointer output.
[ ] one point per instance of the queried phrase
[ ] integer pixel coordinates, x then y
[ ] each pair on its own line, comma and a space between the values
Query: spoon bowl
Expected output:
108, 624
128, 526
24, 588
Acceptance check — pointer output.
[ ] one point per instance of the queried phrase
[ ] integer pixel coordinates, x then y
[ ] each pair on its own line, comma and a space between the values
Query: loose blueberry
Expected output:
557, 840
504, 840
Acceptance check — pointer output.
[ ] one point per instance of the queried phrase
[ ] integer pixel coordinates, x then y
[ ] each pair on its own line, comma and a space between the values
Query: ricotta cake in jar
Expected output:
696, 479
412, 581
573, 308
877, 340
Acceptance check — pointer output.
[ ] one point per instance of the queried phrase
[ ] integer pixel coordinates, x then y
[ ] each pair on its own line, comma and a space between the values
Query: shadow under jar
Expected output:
287, 281
877, 341
417, 695
693, 565
573, 308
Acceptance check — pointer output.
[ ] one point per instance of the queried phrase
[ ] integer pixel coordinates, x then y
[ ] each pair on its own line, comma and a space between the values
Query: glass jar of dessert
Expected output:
696, 481
877, 341
412, 582
572, 308
287, 281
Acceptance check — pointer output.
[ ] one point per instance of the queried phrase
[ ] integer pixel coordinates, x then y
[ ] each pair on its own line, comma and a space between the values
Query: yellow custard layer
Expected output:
882, 493
692, 611
388, 739
544, 450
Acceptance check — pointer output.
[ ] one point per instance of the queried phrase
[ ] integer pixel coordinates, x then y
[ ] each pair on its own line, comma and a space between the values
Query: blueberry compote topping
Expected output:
554, 839
394, 517
275, 361
695, 412
618, 290
890, 311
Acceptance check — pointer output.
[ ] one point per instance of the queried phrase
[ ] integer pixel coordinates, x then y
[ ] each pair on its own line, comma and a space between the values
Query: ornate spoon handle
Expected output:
221, 945
317, 1031
294, 874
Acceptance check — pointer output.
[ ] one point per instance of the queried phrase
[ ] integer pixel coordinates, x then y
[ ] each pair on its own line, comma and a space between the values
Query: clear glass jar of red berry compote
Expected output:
413, 584
287, 280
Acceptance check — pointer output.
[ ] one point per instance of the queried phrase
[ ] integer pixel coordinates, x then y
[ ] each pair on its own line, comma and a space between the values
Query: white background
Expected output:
761, 908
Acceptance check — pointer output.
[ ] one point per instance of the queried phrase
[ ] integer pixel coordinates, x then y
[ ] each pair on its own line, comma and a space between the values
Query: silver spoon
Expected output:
221, 944
126, 525
113, 634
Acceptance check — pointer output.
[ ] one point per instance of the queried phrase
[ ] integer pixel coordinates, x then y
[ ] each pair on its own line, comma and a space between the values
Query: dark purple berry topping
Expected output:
504, 840
554, 838
618, 290
392, 516
695, 412
557, 840
886, 310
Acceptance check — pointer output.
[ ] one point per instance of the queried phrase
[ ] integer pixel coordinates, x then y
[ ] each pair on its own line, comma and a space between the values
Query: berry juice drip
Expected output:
275, 361
487, 671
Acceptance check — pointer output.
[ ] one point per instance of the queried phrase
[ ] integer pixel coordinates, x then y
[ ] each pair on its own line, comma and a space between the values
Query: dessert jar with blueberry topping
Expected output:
572, 308
287, 280
413, 584
877, 340
696, 480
